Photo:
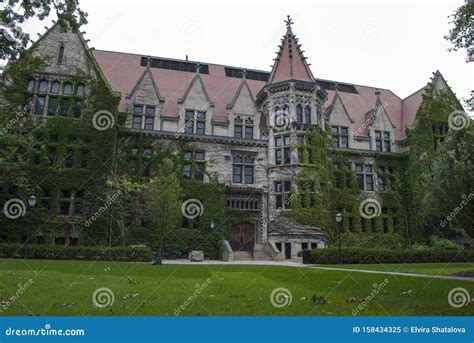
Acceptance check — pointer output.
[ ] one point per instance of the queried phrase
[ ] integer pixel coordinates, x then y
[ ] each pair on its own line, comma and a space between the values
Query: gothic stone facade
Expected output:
243, 123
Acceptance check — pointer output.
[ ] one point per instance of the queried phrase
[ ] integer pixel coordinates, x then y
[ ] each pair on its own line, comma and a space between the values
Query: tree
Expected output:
462, 34
165, 205
16, 12
453, 169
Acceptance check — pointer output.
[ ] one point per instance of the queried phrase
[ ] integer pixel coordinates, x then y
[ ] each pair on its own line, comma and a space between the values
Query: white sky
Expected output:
387, 44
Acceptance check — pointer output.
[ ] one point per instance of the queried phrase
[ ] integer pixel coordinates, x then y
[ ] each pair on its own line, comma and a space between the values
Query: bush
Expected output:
365, 255
62, 252
444, 244
379, 239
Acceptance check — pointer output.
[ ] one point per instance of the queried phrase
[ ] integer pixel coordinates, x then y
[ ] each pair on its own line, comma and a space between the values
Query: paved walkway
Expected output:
253, 263
299, 264
431, 276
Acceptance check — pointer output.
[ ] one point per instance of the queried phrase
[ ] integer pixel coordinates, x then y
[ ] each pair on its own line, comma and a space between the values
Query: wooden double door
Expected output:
242, 237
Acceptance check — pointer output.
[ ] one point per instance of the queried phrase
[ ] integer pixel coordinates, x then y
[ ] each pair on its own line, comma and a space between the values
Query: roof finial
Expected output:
289, 22
244, 73
198, 67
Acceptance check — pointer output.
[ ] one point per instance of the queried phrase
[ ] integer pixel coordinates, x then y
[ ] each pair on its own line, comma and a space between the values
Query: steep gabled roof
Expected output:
290, 64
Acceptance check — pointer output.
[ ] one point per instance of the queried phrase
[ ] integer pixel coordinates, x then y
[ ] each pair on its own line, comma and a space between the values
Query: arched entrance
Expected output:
242, 237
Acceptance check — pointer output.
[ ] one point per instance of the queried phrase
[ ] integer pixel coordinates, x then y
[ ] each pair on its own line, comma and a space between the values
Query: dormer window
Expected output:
195, 122
382, 141
340, 136
243, 128
143, 114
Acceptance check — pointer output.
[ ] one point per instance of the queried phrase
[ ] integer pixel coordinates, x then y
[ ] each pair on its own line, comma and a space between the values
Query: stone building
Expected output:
246, 126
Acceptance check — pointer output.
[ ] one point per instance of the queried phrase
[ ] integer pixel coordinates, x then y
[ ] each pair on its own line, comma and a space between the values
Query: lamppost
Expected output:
339, 229
31, 204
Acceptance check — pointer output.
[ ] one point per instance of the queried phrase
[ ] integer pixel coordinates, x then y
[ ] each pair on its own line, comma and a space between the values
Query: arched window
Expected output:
80, 89
307, 114
299, 113
67, 89
55, 86
43, 86
31, 85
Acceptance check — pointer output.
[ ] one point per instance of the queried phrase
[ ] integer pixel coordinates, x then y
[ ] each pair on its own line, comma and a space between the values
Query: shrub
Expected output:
379, 239
61, 252
365, 255
444, 244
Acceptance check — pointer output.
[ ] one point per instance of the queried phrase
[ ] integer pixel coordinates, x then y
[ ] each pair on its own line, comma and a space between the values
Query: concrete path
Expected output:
246, 263
431, 276
299, 264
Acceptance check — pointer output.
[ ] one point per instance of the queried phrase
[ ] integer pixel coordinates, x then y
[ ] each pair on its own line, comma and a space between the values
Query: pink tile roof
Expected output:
123, 70
290, 62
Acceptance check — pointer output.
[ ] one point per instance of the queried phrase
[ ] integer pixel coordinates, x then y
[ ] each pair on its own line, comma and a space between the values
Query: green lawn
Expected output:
62, 288
419, 268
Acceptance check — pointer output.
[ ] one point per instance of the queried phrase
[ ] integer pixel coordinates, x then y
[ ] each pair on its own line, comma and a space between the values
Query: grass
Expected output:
418, 268
65, 288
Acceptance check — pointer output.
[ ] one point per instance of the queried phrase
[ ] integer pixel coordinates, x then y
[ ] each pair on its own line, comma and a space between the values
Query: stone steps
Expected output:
242, 256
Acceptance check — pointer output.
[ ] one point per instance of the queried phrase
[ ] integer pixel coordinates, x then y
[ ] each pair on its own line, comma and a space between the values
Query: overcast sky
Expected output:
387, 44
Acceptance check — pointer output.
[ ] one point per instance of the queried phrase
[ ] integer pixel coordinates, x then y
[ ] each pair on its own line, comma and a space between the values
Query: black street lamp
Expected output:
31, 204
339, 229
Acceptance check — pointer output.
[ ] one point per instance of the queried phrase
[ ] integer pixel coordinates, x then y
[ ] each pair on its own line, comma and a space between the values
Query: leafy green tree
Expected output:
453, 170
462, 34
164, 204
16, 12
425, 140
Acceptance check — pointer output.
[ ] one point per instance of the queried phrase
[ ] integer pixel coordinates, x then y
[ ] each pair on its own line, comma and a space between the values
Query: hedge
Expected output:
62, 252
364, 255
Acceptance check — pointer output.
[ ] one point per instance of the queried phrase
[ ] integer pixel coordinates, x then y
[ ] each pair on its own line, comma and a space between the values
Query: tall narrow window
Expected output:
194, 165
365, 177
80, 89
67, 89
238, 127
281, 190
52, 105
55, 87
340, 136
189, 122
299, 113
61, 53
382, 141
282, 150
243, 169
307, 114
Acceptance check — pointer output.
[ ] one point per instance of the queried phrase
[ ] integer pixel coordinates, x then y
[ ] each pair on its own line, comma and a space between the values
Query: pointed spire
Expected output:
290, 62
